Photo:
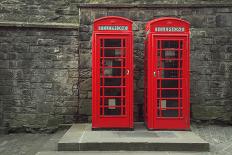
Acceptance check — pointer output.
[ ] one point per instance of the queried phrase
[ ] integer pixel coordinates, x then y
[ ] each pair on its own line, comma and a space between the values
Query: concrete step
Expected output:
80, 137
121, 153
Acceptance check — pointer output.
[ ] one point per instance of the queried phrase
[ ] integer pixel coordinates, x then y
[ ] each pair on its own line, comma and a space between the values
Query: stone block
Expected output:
6, 74
85, 28
89, 94
224, 20
65, 64
85, 18
73, 73
138, 15
85, 61
54, 121
4, 130
86, 85
69, 119
45, 107
85, 45
85, 107
85, 73
139, 46
4, 64
84, 36
138, 97
5, 90
118, 13
201, 112
197, 21
66, 110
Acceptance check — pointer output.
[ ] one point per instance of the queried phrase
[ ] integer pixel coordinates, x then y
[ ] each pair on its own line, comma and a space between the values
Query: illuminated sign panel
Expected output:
169, 29
113, 28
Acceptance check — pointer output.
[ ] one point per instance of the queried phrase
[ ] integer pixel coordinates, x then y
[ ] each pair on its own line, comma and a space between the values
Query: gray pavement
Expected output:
123, 153
219, 137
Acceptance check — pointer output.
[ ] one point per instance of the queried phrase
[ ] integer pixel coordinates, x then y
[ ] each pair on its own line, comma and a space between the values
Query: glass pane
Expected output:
101, 43
170, 113
170, 44
171, 64
101, 111
170, 74
113, 52
181, 44
169, 83
170, 54
113, 106
113, 62
167, 103
113, 72
112, 102
113, 82
124, 42
158, 83
124, 111
112, 110
112, 92
159, 44
168, 93
112, 42
101, 53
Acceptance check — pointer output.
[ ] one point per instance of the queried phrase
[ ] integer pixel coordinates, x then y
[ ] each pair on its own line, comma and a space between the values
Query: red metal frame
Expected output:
166, 81
105, 115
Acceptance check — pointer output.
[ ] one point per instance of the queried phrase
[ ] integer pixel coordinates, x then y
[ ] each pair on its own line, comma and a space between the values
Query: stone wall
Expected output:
45, 73
38, 76
59, 11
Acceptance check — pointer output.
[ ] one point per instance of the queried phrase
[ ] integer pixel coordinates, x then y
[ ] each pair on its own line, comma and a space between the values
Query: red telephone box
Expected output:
167, 74
112, 73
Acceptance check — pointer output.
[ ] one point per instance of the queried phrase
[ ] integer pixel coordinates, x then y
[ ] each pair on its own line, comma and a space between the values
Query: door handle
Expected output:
154, 73
127, 72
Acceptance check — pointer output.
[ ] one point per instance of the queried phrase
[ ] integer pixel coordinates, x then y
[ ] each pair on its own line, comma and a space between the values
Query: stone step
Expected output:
80, 137
121, 153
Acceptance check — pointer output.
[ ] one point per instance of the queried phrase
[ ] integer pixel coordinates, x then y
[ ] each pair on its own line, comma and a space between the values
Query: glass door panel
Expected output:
170, 78
112, 77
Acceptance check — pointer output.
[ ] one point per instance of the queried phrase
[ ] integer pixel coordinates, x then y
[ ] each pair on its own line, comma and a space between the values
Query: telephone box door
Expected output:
170, 82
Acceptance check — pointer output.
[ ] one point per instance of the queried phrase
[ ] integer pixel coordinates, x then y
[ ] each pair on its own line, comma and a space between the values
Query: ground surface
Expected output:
219, 137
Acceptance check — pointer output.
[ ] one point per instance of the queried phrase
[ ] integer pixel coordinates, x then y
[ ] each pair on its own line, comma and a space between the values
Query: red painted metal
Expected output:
166, 82
112, 73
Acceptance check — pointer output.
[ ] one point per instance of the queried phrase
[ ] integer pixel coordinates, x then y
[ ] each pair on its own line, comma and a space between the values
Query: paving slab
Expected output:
120, 153
80, 137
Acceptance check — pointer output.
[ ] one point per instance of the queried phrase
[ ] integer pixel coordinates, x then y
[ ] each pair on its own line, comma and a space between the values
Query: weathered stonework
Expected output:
39, 76
45, 68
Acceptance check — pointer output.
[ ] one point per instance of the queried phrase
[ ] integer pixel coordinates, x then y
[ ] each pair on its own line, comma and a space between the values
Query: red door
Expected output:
170, 82
113, 85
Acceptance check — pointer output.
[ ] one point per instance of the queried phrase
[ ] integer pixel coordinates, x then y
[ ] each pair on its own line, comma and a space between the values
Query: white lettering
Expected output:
169, 29
122, 28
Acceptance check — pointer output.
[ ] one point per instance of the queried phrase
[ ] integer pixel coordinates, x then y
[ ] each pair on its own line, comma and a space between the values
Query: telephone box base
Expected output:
80, 137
